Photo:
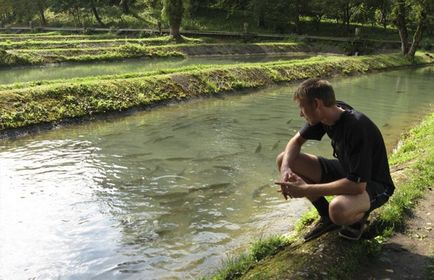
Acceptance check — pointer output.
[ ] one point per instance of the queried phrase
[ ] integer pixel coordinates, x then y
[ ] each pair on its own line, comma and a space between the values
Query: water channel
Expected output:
77, 70
170, 193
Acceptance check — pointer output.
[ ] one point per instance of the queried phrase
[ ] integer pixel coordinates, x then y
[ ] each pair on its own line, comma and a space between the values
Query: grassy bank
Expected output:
53, 103
68, 42
32, 50
330, 257
128, 50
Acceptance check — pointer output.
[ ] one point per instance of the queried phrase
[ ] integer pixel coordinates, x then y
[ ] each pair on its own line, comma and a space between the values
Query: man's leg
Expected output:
306, 166
353, 211
309, 168
349, 209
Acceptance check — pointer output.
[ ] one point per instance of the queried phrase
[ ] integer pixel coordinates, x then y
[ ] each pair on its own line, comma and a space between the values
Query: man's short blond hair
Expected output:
315, 88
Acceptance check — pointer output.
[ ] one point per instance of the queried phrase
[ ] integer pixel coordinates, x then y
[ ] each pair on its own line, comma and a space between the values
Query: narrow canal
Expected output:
171, 192
80, 70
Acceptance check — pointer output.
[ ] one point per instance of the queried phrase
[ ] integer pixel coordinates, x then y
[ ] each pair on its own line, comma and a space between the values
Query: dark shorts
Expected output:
331, 170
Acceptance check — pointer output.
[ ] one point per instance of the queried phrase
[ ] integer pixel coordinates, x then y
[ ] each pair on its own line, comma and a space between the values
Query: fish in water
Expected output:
386, 125
159, 139
275, 145
258, 148
179, 126
212, 187
178, 158
289, 121
137, 155
226, 168
218, 157
182, 172
260, 190
157, 169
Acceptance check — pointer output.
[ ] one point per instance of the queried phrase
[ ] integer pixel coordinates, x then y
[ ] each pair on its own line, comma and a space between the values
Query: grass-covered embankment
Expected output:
57, 102
68, 42
31, 56
35, 51
330, 257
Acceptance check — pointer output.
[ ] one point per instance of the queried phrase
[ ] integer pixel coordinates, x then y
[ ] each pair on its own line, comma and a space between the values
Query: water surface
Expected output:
76, 70
171, 192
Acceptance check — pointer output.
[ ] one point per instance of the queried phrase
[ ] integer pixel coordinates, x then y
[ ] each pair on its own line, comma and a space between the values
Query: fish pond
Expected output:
81, 70
170, 193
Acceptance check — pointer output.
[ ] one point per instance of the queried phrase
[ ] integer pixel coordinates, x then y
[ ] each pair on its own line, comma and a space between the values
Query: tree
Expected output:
414, 11
316, 11
78, 8
273, 14
172, 12
234, 5
92, 4
6, 10
384, 7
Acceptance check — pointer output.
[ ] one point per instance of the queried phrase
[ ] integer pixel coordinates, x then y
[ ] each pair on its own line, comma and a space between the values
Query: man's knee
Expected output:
348, 209
305, 165
279, 160
339, 212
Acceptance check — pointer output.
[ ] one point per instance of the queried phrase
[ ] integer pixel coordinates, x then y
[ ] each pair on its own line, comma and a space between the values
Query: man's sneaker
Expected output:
354, 231
322, 226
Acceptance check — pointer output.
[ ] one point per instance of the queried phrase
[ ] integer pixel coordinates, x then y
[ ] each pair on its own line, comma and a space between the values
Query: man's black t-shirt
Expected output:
357, 144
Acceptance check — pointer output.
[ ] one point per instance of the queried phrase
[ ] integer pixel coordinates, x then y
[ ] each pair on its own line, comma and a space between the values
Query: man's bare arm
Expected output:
291, 153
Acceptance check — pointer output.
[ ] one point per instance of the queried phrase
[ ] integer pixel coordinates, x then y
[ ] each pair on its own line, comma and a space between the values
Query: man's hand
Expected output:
286, 176
294, 187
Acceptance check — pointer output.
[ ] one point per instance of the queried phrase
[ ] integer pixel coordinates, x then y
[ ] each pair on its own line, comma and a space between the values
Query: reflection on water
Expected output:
166, 194
68, 71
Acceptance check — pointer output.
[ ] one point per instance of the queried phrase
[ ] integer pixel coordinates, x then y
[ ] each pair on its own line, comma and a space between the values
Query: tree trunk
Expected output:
417, 37
174, 32
42, 16
317, 21
124, 6
95, 13
384, 18
347, 17
297, 17
174, 11
402, 27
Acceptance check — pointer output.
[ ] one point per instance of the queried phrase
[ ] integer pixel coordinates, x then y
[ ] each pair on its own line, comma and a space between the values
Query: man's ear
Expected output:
317, 103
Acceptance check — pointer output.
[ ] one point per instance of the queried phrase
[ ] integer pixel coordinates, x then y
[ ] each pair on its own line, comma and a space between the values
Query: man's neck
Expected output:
332, 115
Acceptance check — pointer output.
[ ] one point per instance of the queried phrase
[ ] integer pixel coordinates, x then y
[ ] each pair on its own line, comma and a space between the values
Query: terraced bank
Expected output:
29, 107
117, 51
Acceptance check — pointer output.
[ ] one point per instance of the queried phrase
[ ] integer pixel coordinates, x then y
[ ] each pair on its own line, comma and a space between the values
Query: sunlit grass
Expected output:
235, 266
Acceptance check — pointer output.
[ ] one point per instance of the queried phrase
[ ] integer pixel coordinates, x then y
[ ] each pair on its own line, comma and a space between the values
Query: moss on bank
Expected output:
52, 103
330, 257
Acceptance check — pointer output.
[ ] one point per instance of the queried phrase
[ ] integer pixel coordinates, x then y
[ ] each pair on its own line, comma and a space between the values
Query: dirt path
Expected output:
407, 255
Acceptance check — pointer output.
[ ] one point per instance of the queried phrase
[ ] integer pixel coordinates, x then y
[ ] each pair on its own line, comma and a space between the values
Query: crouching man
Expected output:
358, 177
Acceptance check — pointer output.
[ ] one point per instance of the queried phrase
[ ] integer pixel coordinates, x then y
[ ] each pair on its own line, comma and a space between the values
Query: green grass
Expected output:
71, 43
236, 266
46, 36
86, 54
416, 151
